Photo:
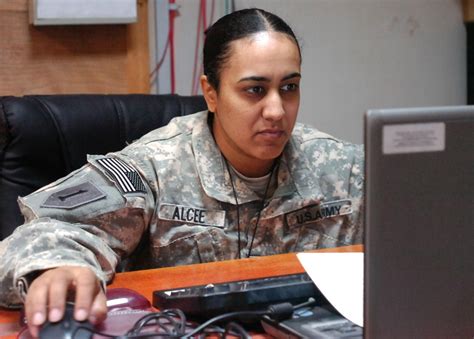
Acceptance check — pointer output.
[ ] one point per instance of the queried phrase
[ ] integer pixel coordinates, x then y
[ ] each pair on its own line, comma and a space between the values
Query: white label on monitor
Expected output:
413, 138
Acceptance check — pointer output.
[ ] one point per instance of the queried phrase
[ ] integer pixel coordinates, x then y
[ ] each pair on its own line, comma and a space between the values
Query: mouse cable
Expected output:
276, 311
171, 321
174, 322
91, 331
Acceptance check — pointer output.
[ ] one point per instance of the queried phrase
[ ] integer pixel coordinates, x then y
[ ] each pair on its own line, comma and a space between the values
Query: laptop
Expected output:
419, 235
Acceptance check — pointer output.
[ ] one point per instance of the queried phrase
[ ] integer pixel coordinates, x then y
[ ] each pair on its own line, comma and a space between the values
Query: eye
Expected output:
289, 87
255, 90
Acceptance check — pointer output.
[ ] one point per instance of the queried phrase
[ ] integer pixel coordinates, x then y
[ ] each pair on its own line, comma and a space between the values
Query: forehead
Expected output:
263, 50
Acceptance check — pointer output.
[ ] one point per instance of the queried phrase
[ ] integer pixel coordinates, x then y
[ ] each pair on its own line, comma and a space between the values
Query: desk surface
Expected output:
145, 282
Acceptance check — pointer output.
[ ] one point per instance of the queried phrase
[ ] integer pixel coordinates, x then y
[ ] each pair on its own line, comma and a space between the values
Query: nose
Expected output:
273, 107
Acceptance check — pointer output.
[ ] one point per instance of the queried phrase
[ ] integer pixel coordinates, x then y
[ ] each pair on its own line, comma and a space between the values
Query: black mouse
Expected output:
67, 327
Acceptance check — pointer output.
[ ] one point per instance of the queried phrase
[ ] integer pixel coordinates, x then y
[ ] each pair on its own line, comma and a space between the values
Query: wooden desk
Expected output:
145, 282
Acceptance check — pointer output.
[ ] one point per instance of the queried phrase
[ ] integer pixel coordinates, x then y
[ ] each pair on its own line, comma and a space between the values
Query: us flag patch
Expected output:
125, 176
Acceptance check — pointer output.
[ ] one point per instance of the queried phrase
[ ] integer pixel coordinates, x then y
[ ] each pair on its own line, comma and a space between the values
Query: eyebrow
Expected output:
257, 78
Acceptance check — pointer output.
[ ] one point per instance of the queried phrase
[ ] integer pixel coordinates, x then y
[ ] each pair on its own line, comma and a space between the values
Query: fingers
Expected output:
87, 290
47, 295
59, 282
99, 308
35, 306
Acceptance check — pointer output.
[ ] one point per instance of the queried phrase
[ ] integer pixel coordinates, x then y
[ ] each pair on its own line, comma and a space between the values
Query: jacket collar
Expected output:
294, 172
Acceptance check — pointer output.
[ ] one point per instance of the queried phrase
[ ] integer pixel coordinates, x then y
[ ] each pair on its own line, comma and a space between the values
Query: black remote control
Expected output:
206, 301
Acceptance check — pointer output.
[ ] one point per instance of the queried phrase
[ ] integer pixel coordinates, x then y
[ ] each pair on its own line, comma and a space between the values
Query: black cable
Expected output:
146, 336
275, 311
178, 326
216, 331
145, 321
219, 332
223, 317
261, 207
238, 328
311, 301
92, 331
236, 203
262, 204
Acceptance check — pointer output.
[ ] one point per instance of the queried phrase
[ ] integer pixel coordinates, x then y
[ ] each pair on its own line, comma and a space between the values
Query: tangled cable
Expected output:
172, 323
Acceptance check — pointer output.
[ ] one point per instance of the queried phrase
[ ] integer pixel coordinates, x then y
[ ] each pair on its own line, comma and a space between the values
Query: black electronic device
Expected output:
206, 301
313, 323
67, 327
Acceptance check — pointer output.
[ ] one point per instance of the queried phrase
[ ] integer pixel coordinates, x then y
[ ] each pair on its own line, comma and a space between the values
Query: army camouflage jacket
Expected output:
167, 200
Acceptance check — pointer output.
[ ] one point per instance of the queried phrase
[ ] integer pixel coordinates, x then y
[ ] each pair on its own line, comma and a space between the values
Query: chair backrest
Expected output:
44, 137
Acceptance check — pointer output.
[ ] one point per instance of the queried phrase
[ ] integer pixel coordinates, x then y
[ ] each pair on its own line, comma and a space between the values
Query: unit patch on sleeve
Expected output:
126, 177
74, 196
315, 213
191, 215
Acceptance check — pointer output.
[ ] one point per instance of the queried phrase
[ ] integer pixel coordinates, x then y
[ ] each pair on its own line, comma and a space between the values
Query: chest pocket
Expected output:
189, 235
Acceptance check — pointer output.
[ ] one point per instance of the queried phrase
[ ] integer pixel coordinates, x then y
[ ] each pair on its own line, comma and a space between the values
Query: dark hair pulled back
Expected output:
234, 26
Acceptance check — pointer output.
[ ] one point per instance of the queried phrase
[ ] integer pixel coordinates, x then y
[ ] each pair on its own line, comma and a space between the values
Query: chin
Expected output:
269, 154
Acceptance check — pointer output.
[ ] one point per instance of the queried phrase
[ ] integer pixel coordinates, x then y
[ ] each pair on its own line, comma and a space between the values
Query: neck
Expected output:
251, 170
242, 162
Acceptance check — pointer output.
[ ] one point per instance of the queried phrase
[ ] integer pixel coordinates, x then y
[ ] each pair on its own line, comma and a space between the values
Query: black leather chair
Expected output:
44, 137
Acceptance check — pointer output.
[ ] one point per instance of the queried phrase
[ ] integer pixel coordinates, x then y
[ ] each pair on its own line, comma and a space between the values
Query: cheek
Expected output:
291, 109
240, 116
241, 124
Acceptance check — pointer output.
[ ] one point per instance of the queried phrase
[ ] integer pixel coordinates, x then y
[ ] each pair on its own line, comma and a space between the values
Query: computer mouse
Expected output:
120, 298
67, 327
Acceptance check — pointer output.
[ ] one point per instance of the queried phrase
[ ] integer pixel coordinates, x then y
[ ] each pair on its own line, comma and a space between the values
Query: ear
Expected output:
210, 94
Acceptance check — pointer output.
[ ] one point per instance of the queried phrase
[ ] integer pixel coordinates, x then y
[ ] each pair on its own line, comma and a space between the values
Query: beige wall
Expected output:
359, 54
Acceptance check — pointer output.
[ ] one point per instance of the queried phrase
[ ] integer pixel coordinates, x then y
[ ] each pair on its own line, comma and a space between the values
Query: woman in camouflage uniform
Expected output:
241, 179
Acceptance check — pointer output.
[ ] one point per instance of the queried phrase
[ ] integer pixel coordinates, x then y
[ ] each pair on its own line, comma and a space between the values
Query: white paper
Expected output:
340, 278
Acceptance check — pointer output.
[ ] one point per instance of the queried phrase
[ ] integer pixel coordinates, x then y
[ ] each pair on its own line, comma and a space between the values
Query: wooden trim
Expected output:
138, 60
468, 9
71, 58
15, 6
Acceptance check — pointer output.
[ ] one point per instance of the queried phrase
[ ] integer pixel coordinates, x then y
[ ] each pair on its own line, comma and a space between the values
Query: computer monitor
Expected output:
419, 233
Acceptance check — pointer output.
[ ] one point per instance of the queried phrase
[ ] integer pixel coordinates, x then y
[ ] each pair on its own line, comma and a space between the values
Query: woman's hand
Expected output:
48, 293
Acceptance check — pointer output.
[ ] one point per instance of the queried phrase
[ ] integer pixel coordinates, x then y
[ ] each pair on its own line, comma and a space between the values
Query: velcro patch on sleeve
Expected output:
74, 196
126, 177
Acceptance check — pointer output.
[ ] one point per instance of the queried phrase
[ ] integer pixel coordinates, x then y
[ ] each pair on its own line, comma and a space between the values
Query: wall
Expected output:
359, 54
71, 59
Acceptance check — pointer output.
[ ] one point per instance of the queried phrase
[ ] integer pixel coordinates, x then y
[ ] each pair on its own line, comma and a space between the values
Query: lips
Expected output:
272, 133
